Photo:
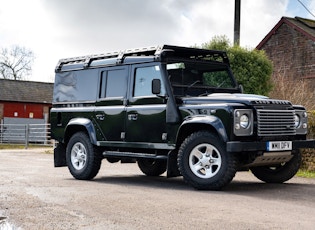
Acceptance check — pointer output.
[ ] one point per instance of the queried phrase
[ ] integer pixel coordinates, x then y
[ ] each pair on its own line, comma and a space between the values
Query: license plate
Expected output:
279, 145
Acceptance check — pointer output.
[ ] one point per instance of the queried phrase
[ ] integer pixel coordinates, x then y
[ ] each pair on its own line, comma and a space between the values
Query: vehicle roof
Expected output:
140, 55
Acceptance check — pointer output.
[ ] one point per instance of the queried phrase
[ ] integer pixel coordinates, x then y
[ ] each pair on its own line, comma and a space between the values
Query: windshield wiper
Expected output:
191, 85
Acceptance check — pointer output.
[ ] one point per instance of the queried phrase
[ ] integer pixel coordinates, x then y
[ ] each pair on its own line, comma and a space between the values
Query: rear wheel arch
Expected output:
60, 150
80, 125
82, 157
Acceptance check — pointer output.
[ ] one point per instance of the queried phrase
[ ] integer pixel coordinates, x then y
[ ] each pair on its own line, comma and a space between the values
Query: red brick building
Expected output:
291, 47
25, 99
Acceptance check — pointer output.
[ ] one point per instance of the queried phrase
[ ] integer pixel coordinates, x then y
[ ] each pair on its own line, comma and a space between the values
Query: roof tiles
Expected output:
26, 91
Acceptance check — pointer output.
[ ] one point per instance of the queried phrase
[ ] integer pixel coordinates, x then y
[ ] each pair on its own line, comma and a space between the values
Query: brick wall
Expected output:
292, 53
293, 56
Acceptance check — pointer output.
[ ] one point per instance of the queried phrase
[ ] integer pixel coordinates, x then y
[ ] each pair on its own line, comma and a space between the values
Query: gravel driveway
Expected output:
35, 195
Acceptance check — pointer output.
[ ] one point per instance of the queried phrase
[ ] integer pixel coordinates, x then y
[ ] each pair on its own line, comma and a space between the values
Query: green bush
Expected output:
308, 155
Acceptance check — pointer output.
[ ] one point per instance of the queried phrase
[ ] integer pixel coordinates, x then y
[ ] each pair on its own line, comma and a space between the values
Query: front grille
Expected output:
275, 122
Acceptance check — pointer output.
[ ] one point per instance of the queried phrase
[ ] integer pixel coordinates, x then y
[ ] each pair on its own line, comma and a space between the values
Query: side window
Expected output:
74, 86
113, 83
143, 81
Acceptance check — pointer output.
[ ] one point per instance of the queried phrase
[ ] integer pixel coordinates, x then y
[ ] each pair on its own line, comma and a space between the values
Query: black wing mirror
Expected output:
156, 86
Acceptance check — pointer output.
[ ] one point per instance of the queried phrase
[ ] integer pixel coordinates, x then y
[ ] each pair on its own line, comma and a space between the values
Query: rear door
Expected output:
110, 110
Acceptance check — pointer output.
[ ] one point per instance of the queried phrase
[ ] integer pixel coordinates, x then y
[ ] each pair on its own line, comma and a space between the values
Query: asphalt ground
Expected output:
35, 195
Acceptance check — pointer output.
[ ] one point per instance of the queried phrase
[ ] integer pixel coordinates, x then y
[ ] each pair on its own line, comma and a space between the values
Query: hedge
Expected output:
308, 155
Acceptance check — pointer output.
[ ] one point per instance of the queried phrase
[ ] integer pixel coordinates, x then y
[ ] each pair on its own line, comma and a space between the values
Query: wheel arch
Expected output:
194, 124
80, 124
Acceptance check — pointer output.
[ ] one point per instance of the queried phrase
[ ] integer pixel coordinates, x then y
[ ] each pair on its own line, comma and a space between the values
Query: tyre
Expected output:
152, 167
279, 173
204, 162
82, 158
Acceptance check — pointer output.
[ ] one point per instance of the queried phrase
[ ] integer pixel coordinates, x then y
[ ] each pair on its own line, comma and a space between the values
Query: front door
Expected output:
146, 112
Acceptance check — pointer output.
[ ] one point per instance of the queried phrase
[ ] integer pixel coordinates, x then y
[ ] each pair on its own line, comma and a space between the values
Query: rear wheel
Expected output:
204, 163
83, 160
279, 173
152, 167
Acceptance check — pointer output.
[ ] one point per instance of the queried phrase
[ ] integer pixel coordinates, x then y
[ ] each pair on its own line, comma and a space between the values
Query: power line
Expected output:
306, 8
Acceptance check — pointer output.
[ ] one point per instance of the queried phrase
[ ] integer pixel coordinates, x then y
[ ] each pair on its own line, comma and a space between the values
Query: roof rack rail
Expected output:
157, 51
120, 55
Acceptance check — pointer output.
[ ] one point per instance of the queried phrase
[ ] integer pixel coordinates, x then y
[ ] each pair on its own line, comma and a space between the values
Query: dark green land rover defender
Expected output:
171, 109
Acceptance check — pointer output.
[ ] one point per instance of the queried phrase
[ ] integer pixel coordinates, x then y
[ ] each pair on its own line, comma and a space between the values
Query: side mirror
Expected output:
156, 86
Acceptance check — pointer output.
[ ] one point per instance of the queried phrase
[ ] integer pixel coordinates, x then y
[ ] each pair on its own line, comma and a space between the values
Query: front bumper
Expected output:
237, 146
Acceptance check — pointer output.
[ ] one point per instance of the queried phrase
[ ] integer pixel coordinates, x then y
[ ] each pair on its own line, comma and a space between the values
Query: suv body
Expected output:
173, 109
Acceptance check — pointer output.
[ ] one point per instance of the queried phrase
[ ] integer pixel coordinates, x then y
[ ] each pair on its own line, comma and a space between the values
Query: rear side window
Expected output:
114, 83
76, 86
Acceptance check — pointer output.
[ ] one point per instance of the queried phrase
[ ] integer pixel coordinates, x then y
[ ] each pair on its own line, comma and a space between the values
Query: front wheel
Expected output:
279, 173
83, 160
204, 162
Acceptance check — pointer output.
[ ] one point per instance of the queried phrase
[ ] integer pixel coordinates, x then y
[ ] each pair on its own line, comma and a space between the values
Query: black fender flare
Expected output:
87, 124
212, 121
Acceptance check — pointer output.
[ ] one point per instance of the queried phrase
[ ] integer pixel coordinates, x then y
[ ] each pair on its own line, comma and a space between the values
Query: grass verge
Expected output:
306, 174
21, 146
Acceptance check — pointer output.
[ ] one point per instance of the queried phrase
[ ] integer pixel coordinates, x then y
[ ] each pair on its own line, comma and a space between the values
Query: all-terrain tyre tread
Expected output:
224, 177
94, 159
152, 167
280, 175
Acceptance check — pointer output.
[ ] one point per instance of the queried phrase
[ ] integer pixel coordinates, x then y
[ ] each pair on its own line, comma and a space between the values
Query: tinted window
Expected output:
75, 86
114, 83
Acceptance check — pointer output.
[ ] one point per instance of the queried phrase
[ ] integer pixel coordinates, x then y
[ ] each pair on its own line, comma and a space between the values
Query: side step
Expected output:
134, 155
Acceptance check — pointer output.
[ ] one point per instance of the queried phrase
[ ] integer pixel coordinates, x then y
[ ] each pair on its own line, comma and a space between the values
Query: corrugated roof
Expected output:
26, 91
303, 25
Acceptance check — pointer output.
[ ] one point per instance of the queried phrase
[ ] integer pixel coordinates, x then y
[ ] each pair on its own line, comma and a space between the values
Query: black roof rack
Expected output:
157, 51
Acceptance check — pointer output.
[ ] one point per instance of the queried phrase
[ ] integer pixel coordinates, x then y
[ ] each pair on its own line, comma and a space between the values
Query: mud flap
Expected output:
172, 168
60, 155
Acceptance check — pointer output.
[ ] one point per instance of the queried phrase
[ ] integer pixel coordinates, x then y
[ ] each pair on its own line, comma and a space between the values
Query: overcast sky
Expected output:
55, 29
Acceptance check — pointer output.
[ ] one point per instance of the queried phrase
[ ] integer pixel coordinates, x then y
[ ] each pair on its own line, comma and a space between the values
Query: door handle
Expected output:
132, 117
100, 117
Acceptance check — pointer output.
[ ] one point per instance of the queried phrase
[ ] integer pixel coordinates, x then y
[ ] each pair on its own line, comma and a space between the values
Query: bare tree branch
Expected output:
16, 63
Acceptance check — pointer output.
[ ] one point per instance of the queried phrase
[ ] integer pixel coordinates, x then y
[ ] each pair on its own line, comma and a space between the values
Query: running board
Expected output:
133, 155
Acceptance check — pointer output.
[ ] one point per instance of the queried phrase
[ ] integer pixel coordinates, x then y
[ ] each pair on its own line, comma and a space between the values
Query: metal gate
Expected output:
34, 131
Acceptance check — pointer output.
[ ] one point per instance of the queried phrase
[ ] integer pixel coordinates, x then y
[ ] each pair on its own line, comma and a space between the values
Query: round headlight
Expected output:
244, 121
296, 120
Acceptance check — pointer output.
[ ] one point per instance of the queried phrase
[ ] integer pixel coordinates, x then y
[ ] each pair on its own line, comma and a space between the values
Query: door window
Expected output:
143, 81
114, 83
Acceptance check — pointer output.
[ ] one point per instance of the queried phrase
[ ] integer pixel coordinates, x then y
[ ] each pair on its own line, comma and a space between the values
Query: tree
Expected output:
252, 68
16, 63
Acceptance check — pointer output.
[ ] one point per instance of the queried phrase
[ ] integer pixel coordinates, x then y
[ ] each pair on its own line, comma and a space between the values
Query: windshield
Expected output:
196, 79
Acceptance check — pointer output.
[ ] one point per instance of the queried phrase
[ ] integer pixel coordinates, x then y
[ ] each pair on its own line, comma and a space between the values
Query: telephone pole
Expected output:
237, 20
